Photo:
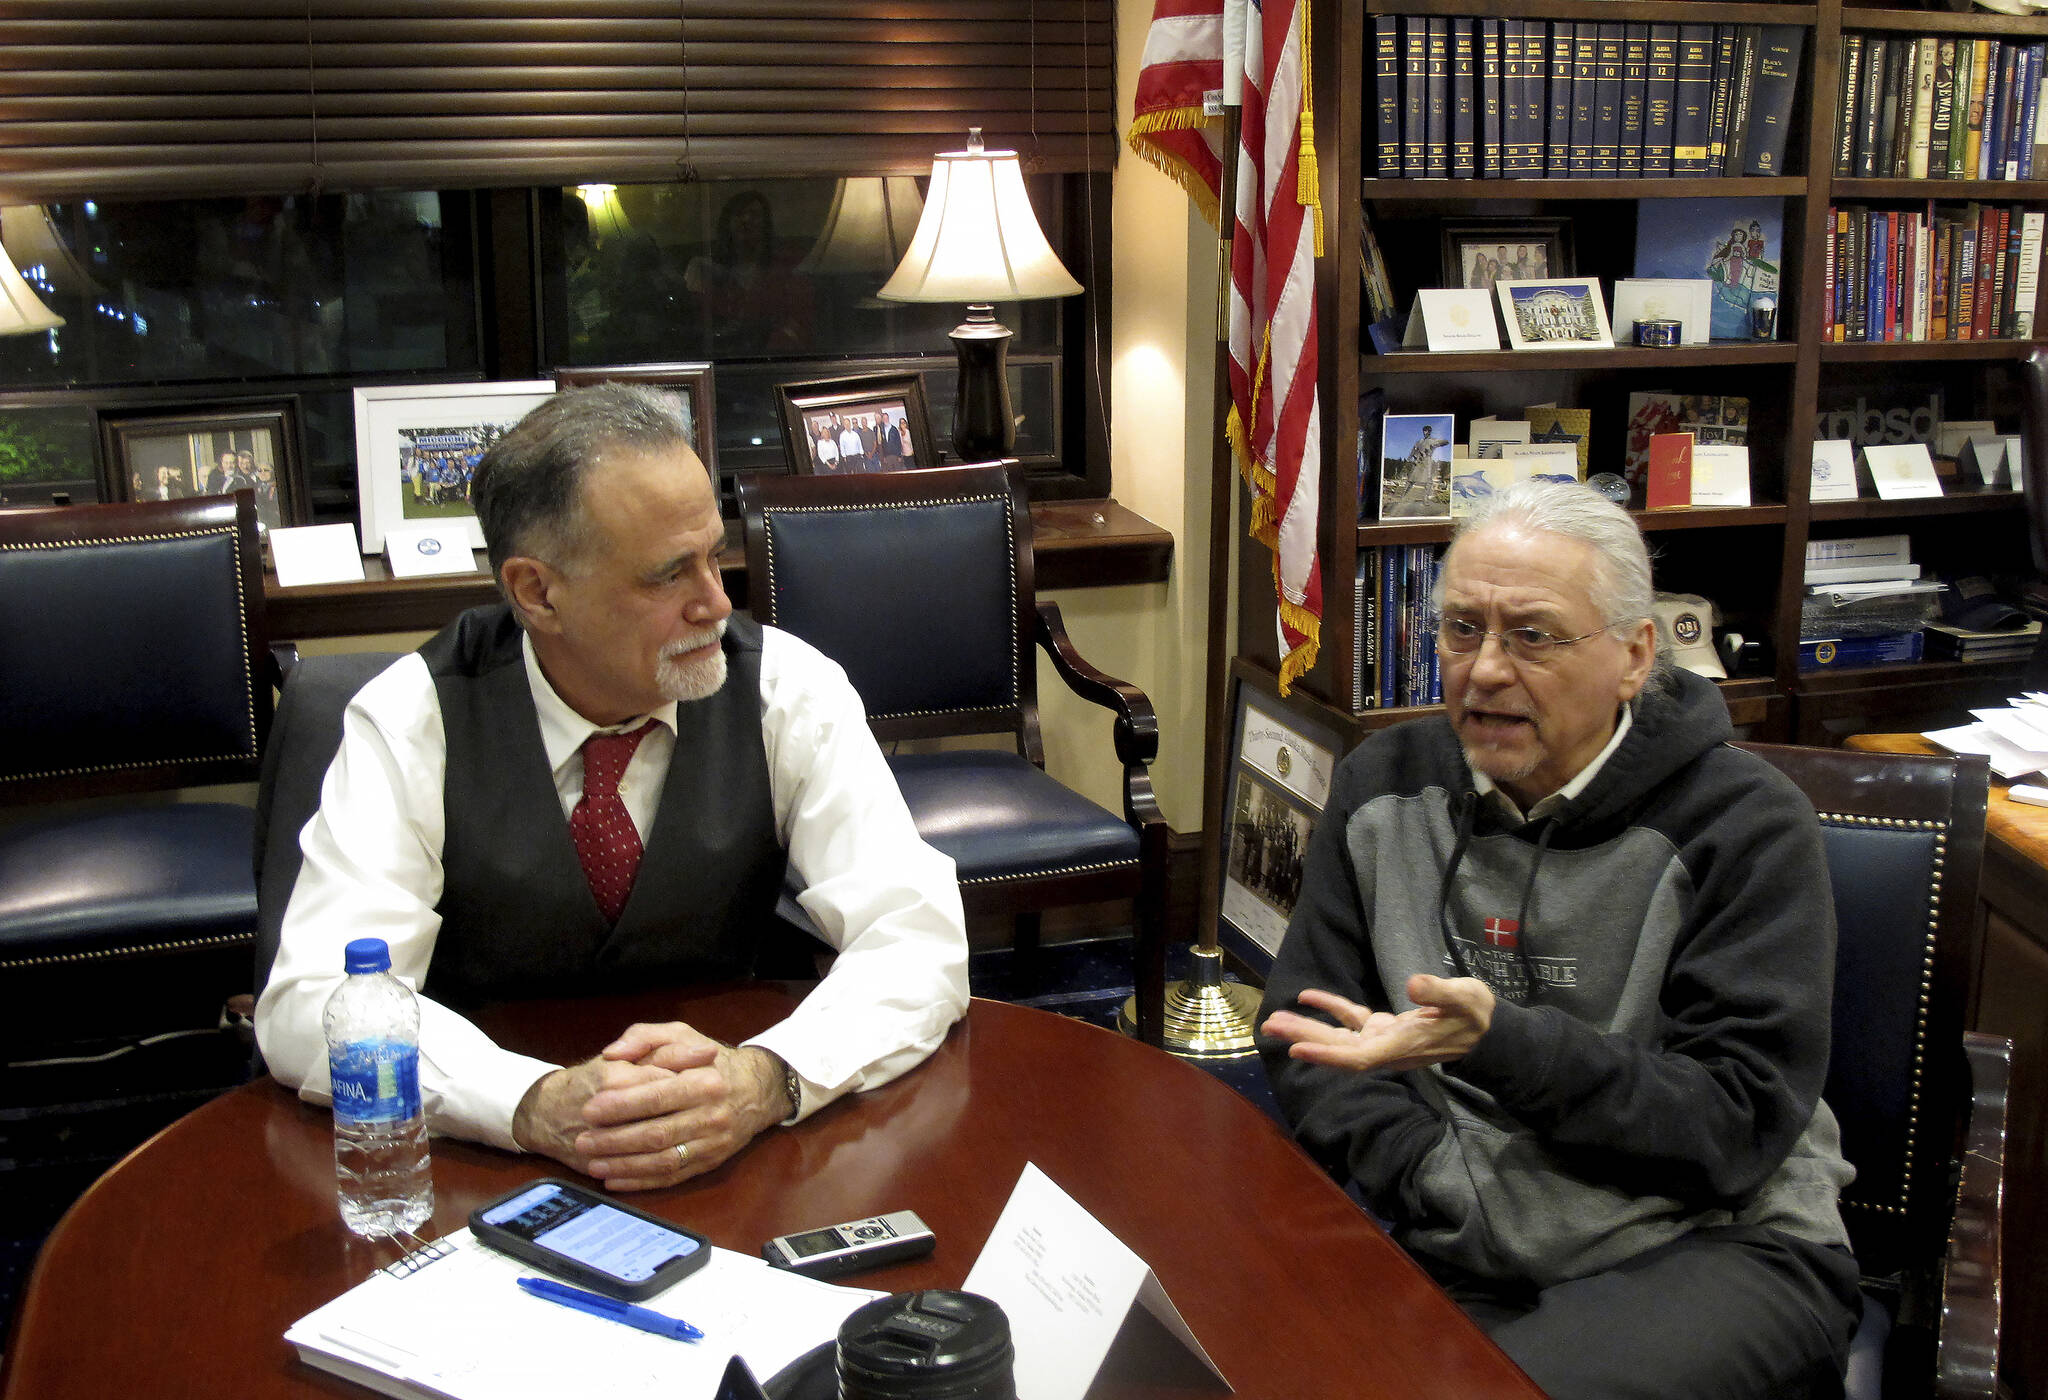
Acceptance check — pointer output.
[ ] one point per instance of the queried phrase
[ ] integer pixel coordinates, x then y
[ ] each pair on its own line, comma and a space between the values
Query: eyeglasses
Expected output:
1460, 636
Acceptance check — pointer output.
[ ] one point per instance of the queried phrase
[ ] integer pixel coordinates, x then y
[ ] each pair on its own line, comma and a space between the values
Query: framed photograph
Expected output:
417, 446
1558, 313
1480, 252
692, 383
1415, 466
1279, 782
857, 423
167, 454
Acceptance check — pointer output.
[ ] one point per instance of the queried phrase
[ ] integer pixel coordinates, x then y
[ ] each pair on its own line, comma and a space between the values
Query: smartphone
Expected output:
858, 1244
589, 1239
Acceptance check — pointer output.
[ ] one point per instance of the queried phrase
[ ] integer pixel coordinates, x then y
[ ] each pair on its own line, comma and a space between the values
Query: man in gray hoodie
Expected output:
1566, 959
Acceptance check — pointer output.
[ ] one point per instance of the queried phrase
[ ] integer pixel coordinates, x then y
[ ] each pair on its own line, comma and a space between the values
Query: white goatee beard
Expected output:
695, 679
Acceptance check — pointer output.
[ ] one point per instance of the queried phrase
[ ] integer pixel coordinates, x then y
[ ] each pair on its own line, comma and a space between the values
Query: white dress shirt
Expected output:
879, 895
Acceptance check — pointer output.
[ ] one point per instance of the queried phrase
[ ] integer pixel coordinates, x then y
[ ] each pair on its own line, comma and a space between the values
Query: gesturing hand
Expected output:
1450, 1016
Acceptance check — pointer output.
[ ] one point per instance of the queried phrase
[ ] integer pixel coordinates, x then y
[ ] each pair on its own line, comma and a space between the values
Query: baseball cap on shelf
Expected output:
1974, 605
1685, 630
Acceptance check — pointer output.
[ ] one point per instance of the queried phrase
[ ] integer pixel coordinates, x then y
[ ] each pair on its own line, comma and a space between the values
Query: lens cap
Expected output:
935, 1345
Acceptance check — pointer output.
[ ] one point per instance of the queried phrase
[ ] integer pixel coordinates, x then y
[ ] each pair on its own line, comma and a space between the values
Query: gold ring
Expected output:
683, 1153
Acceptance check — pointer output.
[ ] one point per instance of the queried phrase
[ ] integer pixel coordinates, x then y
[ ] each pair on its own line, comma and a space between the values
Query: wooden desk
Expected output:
1075, 544
178, 1272
2011, 999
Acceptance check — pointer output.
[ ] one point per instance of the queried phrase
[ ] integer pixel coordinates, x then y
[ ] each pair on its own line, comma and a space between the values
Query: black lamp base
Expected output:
984, 428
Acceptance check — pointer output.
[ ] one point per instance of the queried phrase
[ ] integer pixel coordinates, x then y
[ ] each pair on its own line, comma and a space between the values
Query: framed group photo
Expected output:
857, 423
691, 382
1477, 253
170, 453
1278, 785
418, 445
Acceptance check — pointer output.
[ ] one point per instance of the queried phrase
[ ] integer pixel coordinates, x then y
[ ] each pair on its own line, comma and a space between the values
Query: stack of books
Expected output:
1949, 643
1962, 273
1935, 107
1464, 98
1396, 638
1865, 603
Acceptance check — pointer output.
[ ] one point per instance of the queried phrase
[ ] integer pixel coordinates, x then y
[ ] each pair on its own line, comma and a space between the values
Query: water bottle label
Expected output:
375, 1081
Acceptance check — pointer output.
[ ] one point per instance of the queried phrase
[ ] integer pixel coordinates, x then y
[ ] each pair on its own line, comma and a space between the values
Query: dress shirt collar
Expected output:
1489, 791
562, 730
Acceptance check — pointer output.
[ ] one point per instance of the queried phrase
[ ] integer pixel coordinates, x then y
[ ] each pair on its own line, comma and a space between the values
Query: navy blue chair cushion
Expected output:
116, 880
999, 817
932, 626
135, 655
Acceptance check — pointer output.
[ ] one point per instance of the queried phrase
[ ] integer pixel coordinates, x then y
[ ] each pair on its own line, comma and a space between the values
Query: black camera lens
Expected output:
935, 1345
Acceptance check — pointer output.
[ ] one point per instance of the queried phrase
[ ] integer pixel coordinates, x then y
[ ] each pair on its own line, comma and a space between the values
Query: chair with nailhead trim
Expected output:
920, 584
135, 670
1921, 1101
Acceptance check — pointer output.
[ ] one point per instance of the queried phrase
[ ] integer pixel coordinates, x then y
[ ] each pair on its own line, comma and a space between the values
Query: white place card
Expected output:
418, 550
1902, 471
1452, 318
1066, 1284
1720, 474
1982, 458
306, 554
1952, 434
2016, 462
1834, 470
1686, 300
1542, 461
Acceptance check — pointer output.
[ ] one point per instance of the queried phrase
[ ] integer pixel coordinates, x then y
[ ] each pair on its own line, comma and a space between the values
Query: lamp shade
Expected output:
32, 243
20, 310
978, 240
868, 229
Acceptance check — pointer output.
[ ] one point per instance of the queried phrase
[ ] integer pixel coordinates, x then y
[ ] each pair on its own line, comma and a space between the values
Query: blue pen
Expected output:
597, 1305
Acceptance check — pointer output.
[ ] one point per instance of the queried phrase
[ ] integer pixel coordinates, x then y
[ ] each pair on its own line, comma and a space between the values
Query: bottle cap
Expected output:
367, 955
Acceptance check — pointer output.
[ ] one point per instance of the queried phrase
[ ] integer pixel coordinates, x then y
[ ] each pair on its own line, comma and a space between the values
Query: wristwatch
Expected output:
794, 1087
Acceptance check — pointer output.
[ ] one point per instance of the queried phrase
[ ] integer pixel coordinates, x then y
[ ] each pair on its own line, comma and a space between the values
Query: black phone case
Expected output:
569, 1270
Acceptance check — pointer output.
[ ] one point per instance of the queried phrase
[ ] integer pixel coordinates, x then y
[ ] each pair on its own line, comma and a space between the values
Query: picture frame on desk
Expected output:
173, 452
1278, 784
858, 423
417, 446
1480, 252
692, 381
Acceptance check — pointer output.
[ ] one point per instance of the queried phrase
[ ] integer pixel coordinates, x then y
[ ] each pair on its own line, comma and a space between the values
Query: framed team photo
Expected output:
418, 445
857, 424
167, 454
1560, 313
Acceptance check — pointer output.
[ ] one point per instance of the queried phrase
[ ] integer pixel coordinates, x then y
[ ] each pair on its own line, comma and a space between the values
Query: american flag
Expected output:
1274, 426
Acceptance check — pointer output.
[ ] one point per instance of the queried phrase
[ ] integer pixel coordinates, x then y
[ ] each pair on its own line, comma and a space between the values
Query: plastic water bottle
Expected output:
381, 1166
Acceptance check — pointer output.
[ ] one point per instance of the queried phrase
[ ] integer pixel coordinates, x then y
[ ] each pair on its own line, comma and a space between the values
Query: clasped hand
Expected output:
1450, 1016
620, 1117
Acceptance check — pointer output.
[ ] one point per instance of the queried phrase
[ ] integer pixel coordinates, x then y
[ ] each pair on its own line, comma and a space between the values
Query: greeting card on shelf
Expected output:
1451, 319
1732, 243
1668, 484
1982, 460
1568, 426
1720, 474
1686, 300
1834, 471
1559, 313
1415, 466
1489, 435
1901, 471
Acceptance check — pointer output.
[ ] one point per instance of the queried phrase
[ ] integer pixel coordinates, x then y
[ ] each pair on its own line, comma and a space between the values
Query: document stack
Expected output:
1865, 603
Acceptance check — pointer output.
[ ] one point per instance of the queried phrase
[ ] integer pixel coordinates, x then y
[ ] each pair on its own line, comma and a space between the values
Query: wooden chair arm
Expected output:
1966, 1355
1137, 724
283, 657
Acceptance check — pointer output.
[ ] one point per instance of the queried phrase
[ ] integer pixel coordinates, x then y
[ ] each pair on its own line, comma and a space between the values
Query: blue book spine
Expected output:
1435, 693
1635, 91
1557, 159
1880, 266
1438, 163
1492, 103
1414, 96
1660, 105
1585, 89
1883, 650
1390, 625
2031, 114
1693, 100
1465, 100
1386, 49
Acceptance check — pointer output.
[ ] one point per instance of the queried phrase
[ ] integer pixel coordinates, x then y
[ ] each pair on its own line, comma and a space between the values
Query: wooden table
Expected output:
1075, 544
2011, 999
178, 1272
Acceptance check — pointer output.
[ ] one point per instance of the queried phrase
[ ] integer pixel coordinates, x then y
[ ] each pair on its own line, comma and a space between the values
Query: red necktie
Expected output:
606, 843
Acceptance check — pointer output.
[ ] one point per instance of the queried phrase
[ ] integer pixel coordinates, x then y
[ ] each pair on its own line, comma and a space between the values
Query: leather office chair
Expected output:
1921, 1102
134, 658
920, 584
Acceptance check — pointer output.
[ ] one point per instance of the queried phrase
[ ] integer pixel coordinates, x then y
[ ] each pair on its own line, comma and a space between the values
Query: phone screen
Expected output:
594, 1234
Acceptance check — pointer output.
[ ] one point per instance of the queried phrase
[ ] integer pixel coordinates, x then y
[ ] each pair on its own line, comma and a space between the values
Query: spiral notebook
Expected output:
449, 1321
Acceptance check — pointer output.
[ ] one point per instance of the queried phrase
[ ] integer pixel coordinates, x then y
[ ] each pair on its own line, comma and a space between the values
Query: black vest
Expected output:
517, 915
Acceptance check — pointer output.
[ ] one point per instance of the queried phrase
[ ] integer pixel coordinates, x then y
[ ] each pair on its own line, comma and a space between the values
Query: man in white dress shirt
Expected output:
455, 823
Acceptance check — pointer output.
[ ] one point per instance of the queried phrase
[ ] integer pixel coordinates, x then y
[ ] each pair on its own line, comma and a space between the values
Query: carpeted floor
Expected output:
60, 1129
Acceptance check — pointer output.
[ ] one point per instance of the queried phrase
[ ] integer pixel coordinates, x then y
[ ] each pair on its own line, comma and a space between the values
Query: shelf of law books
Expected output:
1586, 92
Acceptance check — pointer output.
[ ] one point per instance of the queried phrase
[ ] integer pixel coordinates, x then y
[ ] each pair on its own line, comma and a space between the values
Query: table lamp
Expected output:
21, 311
979, 242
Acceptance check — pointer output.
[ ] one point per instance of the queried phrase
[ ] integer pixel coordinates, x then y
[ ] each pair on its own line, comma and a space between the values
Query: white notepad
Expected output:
451, 1323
